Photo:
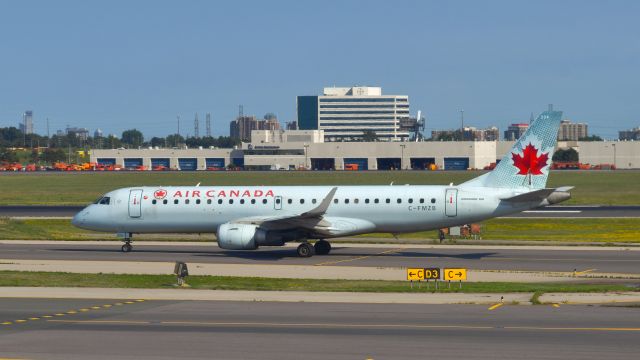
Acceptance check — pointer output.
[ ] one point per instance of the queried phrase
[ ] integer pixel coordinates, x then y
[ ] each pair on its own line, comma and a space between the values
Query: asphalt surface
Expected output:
268, 330
604, 261
543, 212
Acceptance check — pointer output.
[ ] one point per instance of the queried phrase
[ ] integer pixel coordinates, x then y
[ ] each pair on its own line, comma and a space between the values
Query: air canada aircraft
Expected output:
247, 217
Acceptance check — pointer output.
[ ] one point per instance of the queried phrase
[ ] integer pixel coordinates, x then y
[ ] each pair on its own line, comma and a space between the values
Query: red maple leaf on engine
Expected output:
530, 162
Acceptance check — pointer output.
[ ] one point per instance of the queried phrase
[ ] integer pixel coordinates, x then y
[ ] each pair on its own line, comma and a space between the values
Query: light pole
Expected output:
402, 146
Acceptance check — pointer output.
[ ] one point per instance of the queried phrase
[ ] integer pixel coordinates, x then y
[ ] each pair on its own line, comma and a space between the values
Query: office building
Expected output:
27, 122
633, 134
345, 113
570, 131
514, 131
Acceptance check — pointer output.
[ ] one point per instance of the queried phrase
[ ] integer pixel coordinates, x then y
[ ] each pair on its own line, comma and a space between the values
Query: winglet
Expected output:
322, 208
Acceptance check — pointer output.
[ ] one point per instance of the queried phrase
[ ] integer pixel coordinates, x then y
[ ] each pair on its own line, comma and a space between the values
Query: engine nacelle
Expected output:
249, 237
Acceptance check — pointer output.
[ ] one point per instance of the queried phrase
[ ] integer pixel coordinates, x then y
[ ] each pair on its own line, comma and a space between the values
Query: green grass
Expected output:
61, 229
609, 230
615, 230
592, 187
58, 279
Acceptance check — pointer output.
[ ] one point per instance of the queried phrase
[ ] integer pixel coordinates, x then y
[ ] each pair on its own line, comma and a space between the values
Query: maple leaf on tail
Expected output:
530, 162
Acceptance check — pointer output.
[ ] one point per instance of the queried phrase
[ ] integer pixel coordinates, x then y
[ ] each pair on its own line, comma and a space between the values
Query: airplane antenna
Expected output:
391, 184
198, 184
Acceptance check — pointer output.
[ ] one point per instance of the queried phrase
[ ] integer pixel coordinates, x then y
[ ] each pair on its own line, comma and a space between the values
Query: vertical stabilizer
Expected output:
528, 162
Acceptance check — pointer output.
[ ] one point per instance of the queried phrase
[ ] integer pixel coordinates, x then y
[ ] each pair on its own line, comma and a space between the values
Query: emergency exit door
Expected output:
451, 202
135, 203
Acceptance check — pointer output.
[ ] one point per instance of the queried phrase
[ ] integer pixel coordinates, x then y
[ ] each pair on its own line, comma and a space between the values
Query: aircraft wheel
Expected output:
306, 250
322, 247
127, 248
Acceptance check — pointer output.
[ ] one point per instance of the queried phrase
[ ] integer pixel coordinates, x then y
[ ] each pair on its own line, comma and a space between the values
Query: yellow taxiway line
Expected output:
359, 257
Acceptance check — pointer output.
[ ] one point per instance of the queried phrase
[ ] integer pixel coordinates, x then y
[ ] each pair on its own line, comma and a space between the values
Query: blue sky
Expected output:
123, 64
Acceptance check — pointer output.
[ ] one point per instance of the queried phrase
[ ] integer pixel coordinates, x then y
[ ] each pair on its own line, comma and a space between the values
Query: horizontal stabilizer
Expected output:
536, 195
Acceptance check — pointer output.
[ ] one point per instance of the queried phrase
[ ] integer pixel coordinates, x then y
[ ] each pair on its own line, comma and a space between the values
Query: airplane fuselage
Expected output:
392, 209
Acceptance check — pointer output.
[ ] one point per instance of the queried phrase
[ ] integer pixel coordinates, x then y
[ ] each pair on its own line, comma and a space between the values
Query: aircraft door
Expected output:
135, 203
277, 202
451, 202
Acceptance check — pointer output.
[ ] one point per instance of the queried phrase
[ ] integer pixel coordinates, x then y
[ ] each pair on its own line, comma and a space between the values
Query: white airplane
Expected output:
247, 217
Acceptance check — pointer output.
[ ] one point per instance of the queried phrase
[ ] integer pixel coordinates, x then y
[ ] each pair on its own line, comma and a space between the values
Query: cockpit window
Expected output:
105, 200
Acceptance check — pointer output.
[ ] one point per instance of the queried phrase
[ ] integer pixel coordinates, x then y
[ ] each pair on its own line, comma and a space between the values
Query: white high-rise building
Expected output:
346, 113
27, 122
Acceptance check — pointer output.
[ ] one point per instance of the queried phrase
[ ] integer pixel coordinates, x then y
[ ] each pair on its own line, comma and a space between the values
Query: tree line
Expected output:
56, 145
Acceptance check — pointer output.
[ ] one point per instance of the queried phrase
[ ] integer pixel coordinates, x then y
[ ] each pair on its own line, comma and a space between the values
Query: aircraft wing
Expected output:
312, 221
307, 220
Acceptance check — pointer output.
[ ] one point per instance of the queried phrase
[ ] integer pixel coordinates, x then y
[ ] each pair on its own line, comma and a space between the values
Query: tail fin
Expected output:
527, 164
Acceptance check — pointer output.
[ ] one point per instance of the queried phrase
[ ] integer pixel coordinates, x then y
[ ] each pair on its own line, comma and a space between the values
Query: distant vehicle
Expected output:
247, 217
351, 167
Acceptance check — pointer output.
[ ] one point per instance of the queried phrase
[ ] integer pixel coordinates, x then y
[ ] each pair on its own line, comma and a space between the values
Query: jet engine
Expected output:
248, 237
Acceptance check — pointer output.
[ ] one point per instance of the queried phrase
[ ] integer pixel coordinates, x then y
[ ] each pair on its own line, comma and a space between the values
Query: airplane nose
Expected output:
79, 218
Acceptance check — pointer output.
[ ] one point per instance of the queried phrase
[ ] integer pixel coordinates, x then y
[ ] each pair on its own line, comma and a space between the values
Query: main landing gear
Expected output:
321, 247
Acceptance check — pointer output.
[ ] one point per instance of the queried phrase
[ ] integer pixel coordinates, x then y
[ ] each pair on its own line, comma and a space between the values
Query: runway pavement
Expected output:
603, 260
94, 329
557, 211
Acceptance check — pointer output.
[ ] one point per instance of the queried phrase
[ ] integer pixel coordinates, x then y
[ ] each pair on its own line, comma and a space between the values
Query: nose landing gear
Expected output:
126, 238
127, 247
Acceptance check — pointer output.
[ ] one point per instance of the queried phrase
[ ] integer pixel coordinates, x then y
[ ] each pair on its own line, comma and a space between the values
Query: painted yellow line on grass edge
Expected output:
495, 306
359, 257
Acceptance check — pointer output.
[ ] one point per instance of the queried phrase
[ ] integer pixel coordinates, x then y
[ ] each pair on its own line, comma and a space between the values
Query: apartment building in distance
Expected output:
570, 131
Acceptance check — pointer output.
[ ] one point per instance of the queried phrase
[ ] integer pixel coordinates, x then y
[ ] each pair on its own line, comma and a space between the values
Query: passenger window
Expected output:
186, 201
399, 201
208, 201
388, 201
433, 201
264, 201
198, 201
219, 201
241, 201
290, 201
366, 201
278, 201
165, 201
356, 201
335, 201
153, 201
176, 201
230, 201
376, 201
301, 201
421, 201
253, 201
410, 201
313, 201
346, 201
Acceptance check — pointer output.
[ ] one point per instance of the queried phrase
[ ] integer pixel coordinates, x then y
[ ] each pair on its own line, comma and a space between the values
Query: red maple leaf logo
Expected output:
160, 194
530, 162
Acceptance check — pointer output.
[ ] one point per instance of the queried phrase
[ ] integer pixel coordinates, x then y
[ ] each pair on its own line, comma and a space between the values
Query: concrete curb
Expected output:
283, 271
280, 296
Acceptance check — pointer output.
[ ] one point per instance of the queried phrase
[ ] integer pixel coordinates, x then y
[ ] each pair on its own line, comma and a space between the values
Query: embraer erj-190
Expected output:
247, 217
